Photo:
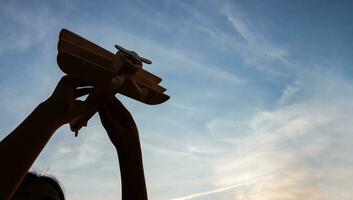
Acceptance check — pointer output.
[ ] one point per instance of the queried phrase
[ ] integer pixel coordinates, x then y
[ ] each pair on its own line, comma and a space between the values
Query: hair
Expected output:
32, 178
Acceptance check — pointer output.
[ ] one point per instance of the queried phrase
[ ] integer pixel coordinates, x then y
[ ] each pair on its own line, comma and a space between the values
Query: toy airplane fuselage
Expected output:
95, 65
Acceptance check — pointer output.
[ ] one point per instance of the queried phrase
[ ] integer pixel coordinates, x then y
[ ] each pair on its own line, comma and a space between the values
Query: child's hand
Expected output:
120, 126
63, 100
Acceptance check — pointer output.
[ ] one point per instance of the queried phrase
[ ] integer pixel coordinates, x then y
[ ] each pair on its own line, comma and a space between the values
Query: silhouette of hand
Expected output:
120, 125
63, 100
123, 133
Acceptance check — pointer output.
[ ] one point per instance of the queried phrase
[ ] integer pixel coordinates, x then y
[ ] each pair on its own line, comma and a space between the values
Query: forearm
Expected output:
20, 148
132, 175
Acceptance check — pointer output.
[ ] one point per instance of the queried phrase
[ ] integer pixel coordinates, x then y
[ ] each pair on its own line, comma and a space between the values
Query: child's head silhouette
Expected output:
39, 187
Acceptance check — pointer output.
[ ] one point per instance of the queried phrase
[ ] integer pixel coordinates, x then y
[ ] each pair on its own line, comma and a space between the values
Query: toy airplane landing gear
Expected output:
109, 73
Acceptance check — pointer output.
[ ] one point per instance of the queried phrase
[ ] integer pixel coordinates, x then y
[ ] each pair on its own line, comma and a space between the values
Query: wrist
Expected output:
128, 149
131, 167
130, 157
52, 113
132, 176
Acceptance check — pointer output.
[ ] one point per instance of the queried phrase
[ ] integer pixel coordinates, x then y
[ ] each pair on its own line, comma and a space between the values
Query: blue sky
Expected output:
261, 95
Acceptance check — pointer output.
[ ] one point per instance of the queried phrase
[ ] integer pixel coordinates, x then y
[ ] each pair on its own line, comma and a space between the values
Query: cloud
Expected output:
89, 159
256, 49
289, 92
213, 135
214, 191
300, 149
21, 28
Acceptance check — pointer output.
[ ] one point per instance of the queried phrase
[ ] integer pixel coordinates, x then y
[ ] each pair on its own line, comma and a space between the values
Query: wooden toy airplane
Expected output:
109, 73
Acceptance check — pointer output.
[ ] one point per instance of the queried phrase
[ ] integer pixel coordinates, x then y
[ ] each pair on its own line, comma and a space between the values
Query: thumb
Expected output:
82, 111
78, 108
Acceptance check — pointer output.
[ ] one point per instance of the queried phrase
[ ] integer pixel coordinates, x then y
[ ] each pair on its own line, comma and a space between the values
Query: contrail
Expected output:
191, 196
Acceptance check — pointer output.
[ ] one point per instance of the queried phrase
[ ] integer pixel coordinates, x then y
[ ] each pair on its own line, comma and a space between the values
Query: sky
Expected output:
261, 95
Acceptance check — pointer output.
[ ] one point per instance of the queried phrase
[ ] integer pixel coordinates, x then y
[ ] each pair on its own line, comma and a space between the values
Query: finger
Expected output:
117, 81
82, 91
81, 121
120, 114
70, 81
66, 87
79, 108
105, 117
117, 109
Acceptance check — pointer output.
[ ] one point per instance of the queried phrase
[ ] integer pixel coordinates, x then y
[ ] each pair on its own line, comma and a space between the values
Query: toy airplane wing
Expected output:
91, 63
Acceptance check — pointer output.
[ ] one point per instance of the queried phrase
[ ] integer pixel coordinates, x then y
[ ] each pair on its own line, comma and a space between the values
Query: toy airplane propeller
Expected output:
109, 73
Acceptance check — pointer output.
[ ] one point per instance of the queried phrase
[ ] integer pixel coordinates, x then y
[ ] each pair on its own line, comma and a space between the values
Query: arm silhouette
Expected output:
123, 133
21, 147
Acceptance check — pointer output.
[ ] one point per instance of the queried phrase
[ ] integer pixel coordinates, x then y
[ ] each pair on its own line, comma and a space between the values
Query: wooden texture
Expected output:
91, 63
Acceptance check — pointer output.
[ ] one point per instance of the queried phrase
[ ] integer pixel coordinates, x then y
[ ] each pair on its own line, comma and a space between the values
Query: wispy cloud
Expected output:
214, 191
297, 141
214, 135
256, 49
298, 149
21, 28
